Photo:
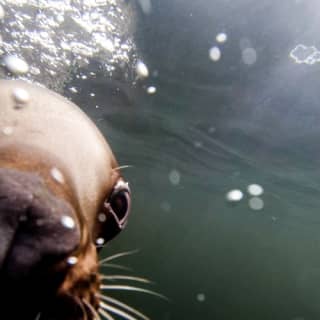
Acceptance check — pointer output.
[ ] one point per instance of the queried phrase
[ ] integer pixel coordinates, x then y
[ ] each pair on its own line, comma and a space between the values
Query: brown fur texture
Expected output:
55, 166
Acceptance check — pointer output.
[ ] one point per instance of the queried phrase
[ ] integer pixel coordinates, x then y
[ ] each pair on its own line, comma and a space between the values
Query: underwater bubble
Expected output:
8, 131
211, 130
68, 222
2, 13
20, 95
142, 70
57, 175
146, 6
102, 217
73, 89
234, 195
214, 54
92, 94
221, 37
256, 203
165, 206
106, 44
201, 297
174, 177
15, 65
255, 190
249, 56
100, 241
151, 90
72, 260
198, 144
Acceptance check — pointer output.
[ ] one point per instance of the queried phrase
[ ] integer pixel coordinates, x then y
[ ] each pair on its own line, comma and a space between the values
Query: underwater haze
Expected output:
221, 137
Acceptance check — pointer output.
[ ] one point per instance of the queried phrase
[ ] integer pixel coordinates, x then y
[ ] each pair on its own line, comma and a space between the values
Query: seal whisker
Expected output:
132, 288
122, 167
118, 255
83, 309
124, 306
38, 316
124, 277
117, 311
115, 266
92, 310
106, 315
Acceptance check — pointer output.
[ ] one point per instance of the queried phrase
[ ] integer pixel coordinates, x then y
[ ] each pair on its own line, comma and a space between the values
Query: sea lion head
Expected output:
61, 196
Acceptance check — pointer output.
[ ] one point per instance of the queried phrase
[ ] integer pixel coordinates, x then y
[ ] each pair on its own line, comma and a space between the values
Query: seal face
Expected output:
61, 198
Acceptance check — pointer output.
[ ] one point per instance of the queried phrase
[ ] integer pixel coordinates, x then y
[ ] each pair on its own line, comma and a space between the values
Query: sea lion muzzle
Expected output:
61, 194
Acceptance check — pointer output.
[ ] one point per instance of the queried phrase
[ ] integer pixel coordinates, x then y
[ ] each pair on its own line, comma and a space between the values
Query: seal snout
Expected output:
37, 229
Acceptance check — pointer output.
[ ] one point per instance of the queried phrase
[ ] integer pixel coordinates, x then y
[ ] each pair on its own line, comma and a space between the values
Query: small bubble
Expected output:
174, 177
8, 131
57, 175
214, 54
20, 95
151, 90
73, 89
68, 222
16, 65
201, 297
249, 56
102, 217
145, 6
221, 37
212, 130
2, 13
72, 260
256, 203
106, 44
142, 70
60, 18
198, 144
92, 94
255, 190
100, 241
234, 195
165, 206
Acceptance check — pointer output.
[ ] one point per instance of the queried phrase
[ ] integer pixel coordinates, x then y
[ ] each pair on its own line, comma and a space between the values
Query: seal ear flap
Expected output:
37, 227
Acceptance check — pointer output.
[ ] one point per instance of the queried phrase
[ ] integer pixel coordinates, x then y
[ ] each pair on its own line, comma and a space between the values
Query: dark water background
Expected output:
221, 125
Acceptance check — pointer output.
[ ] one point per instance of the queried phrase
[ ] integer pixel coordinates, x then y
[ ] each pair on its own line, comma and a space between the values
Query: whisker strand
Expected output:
117, 311
124, 306
131, 288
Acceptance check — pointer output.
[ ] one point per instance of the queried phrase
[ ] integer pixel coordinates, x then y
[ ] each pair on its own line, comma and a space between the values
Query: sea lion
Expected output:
60, 192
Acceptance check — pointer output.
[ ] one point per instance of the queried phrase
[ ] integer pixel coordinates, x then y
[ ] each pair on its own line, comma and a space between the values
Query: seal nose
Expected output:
37, 229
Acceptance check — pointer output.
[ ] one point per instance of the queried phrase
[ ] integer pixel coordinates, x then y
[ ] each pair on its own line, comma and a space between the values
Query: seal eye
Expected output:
119, 203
